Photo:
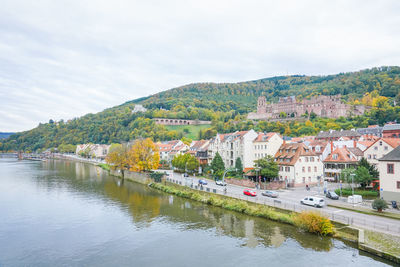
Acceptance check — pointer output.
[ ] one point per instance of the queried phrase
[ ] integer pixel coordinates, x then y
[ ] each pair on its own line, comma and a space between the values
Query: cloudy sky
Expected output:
62, 59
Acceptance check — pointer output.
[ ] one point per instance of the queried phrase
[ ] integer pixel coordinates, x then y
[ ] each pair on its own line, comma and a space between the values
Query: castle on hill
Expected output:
322, 106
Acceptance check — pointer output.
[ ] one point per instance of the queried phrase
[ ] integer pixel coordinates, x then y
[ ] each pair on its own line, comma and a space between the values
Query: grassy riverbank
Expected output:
312, 222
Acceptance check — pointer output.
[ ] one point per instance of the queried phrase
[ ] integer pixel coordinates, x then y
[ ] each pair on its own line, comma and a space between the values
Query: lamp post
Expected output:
352, 185
258, 176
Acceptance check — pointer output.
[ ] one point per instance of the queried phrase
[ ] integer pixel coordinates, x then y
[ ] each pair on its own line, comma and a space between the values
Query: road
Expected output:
290, 199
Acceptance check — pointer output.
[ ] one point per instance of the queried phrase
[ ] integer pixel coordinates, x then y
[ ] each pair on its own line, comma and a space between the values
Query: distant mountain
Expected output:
5, 135
219, 102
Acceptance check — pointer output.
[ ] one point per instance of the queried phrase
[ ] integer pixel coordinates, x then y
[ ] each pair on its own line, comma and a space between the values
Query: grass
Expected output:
387, 243
193, 129
369, 212
310, 221
104, 166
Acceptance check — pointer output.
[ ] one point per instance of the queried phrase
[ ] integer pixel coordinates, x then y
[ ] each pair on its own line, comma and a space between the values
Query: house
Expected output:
166, 148
199, 149
99, 151
298, 164
319, 147
389, 175
266, 144
371, 130
333, 135
232, 146
341, 158
380, 148
391, 131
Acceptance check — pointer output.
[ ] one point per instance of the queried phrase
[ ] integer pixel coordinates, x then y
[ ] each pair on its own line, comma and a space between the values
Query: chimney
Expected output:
354, 143
331, 146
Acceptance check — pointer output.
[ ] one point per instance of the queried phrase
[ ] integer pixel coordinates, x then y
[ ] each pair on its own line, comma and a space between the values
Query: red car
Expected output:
249, 192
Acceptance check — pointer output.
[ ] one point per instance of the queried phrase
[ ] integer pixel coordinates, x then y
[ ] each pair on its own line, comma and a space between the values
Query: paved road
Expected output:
290, 199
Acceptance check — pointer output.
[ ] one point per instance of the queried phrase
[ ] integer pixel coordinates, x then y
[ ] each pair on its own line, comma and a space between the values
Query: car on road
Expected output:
313, 201
249, 192
332, 195
202, 182
220, 182
270, 193
185, 175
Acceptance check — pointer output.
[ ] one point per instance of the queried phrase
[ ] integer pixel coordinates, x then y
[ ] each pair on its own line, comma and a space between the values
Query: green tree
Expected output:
192, 164
217, 165
269, 167
371, 168
363, 177
345, 175
379, 205
239, 167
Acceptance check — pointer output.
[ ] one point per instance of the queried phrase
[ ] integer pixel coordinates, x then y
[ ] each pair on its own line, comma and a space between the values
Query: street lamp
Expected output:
227, 170
352, 185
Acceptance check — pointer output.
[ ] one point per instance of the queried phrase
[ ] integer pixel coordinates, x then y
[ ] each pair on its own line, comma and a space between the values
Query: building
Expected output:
139, 108
389, 175
298, 164
380, 148
341, 158
333, 135
232, 146
199, 149
266, 144
391, 131
290, 107
371, 130
93, 150
166, 148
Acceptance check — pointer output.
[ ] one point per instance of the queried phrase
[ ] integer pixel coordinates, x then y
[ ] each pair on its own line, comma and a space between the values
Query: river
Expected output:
64, 213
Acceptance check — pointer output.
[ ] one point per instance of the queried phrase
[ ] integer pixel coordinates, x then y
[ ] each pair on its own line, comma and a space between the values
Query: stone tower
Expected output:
261, 105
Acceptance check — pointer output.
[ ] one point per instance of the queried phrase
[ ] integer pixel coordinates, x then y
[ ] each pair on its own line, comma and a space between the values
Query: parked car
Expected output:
332, 195
185, 175
220, 182
202, 182
269, 193
249, 192
313, 201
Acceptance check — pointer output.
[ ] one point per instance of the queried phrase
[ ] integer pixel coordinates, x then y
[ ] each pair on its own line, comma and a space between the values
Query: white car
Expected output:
313, 201
220, 182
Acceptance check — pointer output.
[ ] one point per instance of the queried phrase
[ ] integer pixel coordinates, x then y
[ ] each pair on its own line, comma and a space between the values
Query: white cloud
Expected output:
62, 59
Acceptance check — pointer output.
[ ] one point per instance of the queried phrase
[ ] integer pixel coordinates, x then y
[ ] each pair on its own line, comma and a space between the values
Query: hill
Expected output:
226, 104
4, 135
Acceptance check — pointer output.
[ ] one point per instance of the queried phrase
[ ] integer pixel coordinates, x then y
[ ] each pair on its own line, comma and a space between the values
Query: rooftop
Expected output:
394, 155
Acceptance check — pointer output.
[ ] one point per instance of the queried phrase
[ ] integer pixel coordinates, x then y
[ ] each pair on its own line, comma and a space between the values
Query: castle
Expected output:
290, 107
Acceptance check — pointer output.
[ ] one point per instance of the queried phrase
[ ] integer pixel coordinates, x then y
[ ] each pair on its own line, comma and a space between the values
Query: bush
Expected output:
363, 193
379, 205
314, 222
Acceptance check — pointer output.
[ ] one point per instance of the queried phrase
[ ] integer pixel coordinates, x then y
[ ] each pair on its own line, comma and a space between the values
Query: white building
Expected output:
266, 144
298, 164
380, 148
93, 150
389, 175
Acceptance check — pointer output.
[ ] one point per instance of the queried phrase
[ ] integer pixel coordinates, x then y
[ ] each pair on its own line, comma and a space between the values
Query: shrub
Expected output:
379, 205
363, 193
314, 222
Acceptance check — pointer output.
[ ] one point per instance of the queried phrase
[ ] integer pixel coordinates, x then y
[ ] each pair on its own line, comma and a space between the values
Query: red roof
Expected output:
262, 137
393, 142
342, 155
289, 153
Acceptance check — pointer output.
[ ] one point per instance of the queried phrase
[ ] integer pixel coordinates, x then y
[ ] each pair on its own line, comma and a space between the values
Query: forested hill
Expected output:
226, 104
5, 135
242, 96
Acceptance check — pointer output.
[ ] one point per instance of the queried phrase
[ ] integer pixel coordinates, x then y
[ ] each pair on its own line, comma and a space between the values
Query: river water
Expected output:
63, 213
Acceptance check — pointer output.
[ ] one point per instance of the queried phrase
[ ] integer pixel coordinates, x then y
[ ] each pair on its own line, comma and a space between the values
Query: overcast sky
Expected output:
63, 59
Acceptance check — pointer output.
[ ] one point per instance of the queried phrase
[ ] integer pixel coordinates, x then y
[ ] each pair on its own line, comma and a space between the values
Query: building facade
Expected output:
380, 148
391, 131
389, 175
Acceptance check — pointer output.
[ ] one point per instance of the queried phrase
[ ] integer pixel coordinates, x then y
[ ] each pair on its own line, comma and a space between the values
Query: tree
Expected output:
117, 158
269, 167
363, 177
143, 155
217, 165
371, 168
192, 164
379, 205
239, 167
185, 162
345, 175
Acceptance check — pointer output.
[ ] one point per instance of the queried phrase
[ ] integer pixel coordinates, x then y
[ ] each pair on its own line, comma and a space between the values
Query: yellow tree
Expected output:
117, 158
143, 156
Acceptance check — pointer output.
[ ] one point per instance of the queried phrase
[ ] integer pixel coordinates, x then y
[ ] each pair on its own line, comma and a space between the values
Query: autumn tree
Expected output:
143, 155
117, 158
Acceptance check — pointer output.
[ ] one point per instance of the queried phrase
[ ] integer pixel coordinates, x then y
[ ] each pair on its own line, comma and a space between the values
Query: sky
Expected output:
63, 59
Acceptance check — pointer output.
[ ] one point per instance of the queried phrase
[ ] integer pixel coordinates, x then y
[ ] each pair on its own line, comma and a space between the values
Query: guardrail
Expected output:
281, 204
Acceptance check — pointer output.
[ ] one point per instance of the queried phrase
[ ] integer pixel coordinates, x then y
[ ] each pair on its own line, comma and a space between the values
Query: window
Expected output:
306, 158
265, 146
309, 169
380, 143
315, 169
369, 156
385, 148
334, 156
304, 169
390, 168
375, 148
398, 184
374, 156
299, 160
312, 159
